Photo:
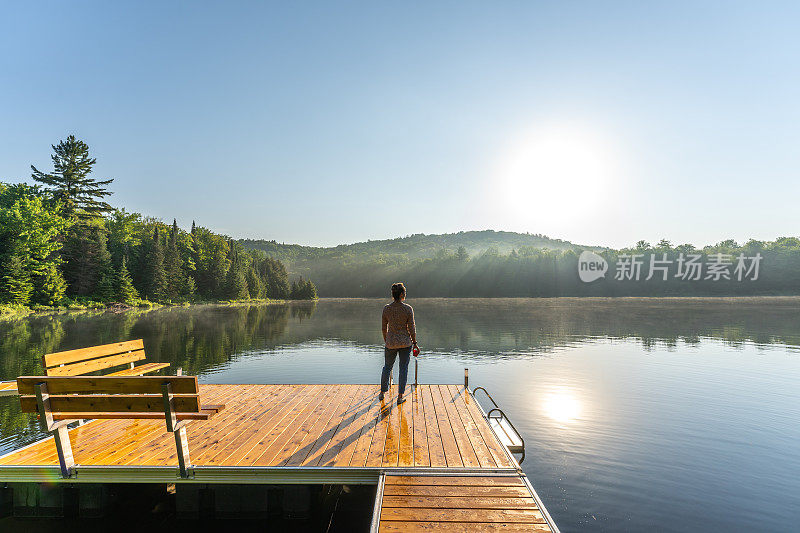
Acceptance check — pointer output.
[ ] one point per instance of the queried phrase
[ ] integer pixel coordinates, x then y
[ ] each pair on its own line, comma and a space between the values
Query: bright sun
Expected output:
556, 172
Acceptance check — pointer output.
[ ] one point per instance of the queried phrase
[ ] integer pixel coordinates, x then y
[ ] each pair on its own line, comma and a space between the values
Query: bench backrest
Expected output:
112, 397
86, 360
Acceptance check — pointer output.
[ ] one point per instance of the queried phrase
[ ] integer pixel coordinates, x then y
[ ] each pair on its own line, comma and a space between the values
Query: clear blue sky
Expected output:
324, 123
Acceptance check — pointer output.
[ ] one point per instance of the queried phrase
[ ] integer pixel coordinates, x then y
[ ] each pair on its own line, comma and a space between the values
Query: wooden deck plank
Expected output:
309, 439
158, 438
347, 432
405, 413
264, 419
420, 435
391, 447
378, 445
136, 436
482, 451
322, 443
158, 451
465, 448
201, 436
214, 438
304, 430
315, 439
364, 442
264, 450
435, 443
361, 425
495, 447
451, 452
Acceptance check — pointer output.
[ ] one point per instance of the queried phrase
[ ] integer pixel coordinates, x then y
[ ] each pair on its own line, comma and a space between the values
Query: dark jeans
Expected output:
390, 355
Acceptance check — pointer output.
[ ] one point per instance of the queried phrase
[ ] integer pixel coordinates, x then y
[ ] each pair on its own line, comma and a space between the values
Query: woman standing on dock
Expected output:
399, 335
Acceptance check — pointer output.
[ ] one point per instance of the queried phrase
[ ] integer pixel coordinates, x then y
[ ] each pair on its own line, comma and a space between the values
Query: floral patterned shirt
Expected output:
398, 323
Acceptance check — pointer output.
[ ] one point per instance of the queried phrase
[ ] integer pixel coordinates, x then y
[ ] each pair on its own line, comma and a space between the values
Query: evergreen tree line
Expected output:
60, 242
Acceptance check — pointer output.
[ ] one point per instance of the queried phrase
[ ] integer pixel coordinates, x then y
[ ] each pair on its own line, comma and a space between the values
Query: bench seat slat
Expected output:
108, 384
139, 370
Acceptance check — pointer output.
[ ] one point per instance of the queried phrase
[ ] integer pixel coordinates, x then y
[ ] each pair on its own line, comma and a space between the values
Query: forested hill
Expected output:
504, 264
419, 246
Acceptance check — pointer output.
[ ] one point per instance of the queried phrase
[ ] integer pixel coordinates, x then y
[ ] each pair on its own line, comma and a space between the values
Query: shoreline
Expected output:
13, 312
8, 312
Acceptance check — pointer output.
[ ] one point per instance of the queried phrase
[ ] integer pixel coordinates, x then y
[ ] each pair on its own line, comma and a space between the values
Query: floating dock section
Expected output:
436, 461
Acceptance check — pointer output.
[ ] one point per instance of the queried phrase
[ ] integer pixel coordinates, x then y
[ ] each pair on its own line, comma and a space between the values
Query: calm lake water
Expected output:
638, 414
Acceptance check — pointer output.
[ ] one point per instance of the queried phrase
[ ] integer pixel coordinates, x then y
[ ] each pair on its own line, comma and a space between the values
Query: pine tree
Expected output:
70, 184
172, 265
303, 289
309, 291
190, 287
106, 289
276, 280
17, 286
254, 284
124, 284
156, 279
235, 282
49, 286
87, 266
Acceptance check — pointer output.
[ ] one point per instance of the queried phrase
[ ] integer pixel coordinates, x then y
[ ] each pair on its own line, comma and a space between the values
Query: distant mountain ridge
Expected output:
417, 246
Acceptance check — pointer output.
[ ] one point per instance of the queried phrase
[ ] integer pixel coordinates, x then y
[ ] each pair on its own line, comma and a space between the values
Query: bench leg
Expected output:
182, 445
64, 449
59, 429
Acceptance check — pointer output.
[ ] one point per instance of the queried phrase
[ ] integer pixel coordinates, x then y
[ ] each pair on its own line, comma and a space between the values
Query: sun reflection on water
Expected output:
562, 405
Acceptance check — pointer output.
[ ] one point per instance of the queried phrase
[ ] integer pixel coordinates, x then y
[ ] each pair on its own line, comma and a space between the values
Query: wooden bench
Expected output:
85, 360
60, 400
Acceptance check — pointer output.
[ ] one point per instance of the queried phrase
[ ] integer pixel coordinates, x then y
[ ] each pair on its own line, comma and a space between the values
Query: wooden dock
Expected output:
316, 434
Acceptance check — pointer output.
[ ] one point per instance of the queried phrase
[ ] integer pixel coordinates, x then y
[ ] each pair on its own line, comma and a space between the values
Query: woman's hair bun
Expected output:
398, 290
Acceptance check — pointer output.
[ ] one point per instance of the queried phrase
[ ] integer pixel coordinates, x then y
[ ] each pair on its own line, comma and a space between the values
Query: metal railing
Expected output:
502, 417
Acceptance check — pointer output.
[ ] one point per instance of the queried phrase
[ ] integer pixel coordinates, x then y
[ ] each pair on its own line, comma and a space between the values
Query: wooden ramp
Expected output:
459, 503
